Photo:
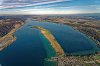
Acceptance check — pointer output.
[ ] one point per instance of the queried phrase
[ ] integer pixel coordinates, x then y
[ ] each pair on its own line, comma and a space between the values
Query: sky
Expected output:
49, 6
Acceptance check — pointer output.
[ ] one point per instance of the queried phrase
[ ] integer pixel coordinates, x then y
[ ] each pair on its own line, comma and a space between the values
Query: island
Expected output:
51, 39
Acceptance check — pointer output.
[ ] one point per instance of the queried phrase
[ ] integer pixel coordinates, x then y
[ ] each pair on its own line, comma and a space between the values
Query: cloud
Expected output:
39, 11
24, 3
47, 7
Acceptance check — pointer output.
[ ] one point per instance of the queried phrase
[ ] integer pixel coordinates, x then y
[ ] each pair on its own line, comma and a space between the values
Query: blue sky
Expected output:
49, 6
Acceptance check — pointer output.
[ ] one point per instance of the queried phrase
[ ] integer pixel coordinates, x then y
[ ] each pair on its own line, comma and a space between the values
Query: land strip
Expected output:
62, 59
51, 39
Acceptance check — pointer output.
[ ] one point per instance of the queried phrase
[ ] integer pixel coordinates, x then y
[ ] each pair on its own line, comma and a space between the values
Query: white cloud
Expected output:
39, 11
24, 4
48, 8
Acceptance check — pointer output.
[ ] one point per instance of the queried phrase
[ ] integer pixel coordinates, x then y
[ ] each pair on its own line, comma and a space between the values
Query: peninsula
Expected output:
51, 39
86, 25
62, 59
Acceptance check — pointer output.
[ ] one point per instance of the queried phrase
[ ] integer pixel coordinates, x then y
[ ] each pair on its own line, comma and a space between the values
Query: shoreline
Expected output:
51, 39
90, 37
9, 38
75, 28
63, 59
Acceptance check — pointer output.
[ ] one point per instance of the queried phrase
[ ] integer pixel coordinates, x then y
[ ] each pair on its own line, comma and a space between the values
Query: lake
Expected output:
31, 48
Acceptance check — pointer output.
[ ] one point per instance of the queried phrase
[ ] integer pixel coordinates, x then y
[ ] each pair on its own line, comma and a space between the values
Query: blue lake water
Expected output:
30, 47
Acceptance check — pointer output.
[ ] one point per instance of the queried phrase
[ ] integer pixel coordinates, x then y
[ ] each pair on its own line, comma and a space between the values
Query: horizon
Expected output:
43, 7
95, 14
